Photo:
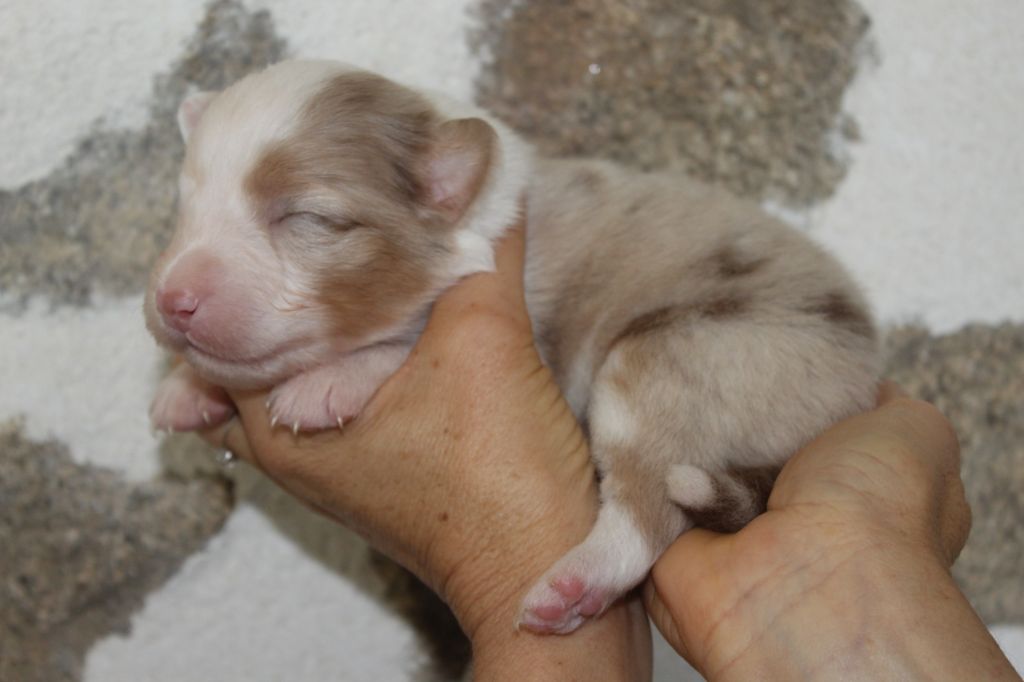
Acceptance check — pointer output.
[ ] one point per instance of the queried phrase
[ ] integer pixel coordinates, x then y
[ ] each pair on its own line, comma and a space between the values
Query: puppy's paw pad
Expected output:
562, 604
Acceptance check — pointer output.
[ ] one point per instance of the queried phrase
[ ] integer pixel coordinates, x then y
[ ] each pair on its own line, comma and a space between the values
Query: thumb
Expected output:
695, 559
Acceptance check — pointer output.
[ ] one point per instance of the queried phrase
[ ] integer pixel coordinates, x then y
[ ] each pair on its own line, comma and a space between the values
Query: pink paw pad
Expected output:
561, 605
572, 588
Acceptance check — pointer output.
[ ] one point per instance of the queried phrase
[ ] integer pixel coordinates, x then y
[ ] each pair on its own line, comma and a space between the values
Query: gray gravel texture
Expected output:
747, 94
96, 224
976, 377
80, 548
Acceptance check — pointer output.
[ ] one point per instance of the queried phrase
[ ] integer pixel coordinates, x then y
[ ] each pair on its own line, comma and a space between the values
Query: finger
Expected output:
254, 410
889, 391
924, 432
918, 439
955, 522
930, 439
662, 618
687, 585
229, 436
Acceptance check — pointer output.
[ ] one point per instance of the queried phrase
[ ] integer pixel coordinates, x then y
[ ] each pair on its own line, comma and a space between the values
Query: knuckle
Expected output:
925, 427
938, 423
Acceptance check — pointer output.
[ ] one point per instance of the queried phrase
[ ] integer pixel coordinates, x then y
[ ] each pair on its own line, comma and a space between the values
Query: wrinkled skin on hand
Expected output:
466, 466
882, 484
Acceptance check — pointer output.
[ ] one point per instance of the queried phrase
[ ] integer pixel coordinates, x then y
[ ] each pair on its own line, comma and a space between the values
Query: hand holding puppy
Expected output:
469, 469
847, 573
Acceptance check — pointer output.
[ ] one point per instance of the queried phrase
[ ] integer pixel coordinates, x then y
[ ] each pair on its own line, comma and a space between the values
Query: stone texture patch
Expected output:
80, 548
746, 93
976, 377
95, 225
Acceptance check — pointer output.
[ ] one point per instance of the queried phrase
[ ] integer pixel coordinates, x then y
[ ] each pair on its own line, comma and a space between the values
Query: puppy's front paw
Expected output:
330, 396
184, 402
321, 399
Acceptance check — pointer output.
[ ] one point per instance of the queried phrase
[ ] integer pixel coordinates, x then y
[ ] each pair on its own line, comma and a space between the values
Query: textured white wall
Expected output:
65, 65
930, 215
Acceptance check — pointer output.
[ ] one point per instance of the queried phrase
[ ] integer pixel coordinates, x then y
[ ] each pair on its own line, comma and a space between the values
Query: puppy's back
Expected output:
609, 248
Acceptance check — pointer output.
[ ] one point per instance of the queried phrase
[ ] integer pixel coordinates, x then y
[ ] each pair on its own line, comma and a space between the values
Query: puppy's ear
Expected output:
457, 166
191, 110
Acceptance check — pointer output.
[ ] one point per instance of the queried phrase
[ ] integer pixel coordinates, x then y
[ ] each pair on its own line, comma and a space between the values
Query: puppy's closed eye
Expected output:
305, 219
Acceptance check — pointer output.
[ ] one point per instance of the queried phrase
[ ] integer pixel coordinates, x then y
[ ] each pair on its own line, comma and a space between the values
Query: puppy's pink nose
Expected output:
177, 307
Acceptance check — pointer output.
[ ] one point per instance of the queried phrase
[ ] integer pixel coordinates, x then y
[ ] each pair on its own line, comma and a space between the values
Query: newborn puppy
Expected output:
323, 210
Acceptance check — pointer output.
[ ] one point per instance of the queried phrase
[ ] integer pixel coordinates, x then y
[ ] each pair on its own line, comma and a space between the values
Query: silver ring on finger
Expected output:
226, 458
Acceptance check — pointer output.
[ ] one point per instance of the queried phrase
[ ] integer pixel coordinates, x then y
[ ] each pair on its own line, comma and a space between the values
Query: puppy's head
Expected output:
322, 209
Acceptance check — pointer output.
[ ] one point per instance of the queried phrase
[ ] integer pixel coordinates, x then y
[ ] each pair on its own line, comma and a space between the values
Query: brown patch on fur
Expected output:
728, 305
641, 325
841, 310
550, 348
383, 291
741, 493
360, 132
634, 473
357, 157
560, 342
729, 264
759, 480
637, 485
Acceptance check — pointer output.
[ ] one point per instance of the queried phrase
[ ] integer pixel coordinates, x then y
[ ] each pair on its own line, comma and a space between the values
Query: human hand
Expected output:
851, 557
467, 467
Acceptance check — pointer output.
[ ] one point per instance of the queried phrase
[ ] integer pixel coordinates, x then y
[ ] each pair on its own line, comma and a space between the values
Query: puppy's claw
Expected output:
341, 424
206, 418
273, 421
295, 429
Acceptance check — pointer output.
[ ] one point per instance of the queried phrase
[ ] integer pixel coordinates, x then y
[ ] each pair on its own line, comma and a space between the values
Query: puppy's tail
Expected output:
722, 501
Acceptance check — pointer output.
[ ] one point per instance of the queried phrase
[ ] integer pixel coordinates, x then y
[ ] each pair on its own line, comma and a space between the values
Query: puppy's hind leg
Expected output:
615, 557
692, 415
637, 520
